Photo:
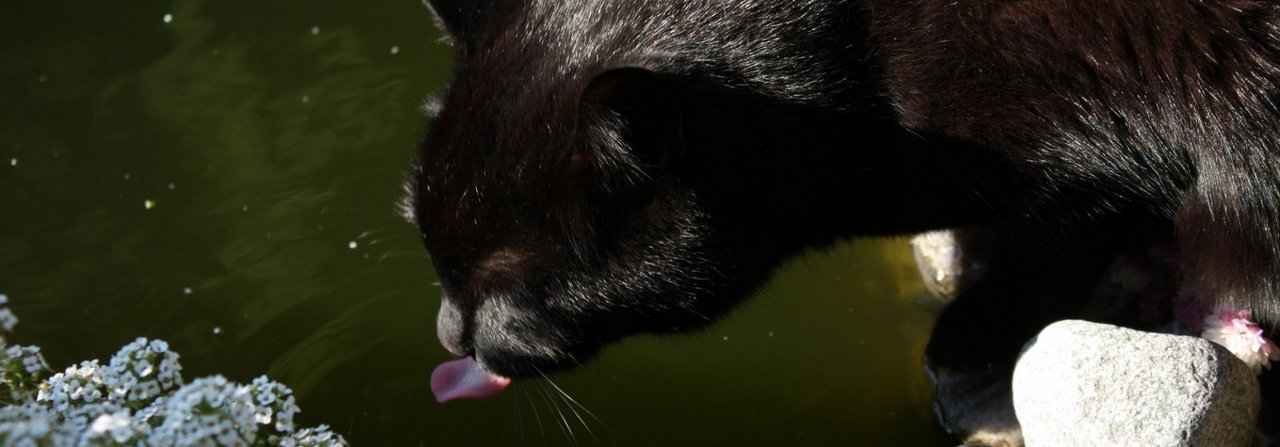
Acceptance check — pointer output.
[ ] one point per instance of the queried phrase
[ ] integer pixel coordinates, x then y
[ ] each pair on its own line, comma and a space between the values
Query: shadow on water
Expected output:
269, 141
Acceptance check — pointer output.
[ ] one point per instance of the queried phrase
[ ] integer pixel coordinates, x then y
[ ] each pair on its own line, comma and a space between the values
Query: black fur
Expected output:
606, 167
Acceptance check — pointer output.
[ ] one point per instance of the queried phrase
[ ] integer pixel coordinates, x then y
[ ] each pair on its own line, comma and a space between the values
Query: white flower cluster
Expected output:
210, 410
22, 368
80, 384
231, 414
144, 369
89, 405
274, 404
27, 358
102, 424
30, 425
139, 400
320, 436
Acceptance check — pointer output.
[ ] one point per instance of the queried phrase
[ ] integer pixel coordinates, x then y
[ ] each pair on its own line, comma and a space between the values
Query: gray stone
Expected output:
1089, 384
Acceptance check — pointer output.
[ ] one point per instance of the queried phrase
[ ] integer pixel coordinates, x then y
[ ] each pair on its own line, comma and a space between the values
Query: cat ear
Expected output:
466, 20
643, 108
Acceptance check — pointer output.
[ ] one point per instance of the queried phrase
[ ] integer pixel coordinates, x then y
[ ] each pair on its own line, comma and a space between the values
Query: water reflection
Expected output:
268, 138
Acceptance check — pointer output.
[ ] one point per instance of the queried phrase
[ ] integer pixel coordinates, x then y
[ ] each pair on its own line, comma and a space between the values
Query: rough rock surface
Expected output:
1087, 384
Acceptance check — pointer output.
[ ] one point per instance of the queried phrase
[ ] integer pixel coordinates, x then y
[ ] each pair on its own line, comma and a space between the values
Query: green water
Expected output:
267, 138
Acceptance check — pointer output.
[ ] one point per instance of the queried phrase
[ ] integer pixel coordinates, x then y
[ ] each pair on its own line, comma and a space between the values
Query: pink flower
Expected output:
1236, 331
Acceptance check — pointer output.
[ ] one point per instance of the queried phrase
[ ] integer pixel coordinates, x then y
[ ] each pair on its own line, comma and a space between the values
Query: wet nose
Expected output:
451, 328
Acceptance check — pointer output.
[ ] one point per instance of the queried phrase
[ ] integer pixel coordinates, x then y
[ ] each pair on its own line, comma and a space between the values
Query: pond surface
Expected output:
222, 175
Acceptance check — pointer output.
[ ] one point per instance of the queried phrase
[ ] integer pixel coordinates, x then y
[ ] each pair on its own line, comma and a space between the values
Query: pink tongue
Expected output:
464, 379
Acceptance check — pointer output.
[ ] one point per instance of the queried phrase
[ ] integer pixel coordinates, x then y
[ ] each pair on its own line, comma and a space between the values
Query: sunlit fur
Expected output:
605, 167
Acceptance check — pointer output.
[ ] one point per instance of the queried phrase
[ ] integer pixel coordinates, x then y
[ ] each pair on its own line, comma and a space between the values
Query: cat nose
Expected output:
451, 328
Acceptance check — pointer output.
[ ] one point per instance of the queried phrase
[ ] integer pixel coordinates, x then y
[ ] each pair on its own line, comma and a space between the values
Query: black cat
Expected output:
605, 167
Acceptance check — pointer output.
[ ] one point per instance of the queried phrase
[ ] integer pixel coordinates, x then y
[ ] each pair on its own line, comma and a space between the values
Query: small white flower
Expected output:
128, 381
143, 368
215, 399
112, 422
266, 398
262, 415
7, 319
154, 413
226, 436
34, 364
283, 424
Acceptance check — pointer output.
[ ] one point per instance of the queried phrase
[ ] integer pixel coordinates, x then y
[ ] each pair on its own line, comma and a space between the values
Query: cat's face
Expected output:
554, 237
568, 201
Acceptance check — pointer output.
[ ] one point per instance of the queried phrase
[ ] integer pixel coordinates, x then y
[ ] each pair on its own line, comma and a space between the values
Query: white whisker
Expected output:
561, 421
570, 399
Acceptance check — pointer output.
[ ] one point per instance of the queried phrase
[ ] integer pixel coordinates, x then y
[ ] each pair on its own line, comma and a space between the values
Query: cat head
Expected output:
572, 191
